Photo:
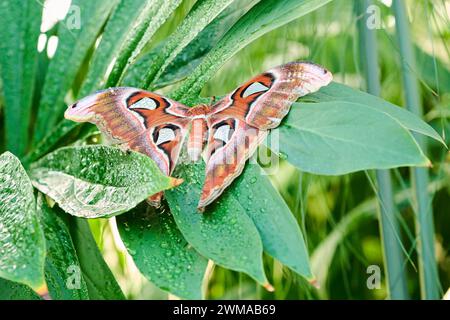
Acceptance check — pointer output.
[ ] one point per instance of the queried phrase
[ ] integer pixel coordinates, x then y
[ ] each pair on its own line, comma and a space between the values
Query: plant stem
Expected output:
390, 235
429, 279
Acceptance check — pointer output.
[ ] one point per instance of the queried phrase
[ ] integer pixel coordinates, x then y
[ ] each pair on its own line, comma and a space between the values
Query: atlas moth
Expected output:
225, 133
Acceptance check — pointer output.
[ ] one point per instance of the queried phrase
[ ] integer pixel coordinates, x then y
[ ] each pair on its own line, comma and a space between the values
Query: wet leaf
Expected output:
125, 28
161, 253
100, 281
15, 291
279, 231
97, 181
142, 33
349, 133
22, 243
224, 233
62, 269
193, 53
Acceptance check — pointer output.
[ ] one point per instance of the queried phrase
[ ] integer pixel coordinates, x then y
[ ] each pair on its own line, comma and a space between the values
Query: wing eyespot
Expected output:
223, 133
145, 103
165, 134
255, 87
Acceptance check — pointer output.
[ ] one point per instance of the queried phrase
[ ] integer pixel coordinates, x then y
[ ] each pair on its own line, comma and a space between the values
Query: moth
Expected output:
225, 133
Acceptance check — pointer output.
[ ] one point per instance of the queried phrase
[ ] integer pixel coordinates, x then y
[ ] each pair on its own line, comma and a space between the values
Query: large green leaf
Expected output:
96, 181
100, 281
336, 92
262, 18
22, 243
62, 269
340, 137
19, 31
224, 233
75, 40
161, 253
279, 231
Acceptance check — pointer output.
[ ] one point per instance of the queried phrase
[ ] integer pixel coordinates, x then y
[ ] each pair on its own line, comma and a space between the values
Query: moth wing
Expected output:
230, 143
265, 100
139, 120
255, 107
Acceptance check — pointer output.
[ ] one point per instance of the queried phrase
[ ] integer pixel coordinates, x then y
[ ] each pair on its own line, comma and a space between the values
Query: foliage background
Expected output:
336, 213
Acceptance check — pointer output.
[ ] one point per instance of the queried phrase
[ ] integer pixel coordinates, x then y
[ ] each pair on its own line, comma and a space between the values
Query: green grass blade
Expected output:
390, 235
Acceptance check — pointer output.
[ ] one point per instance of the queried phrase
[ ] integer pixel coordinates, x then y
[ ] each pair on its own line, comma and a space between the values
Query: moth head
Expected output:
83, 110
315, 74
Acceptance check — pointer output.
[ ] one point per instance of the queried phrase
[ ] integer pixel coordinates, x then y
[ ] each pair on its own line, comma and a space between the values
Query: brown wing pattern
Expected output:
265, 100
230, 143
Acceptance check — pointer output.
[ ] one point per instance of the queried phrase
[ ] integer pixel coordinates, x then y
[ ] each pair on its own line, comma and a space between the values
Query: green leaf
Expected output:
279, 231
161, 253
262, 18
62, 269
336, 92
100, 281
97, 181
340, 137
75, 39
224, 233
22, 243
19, 31
15, 291
203, 12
